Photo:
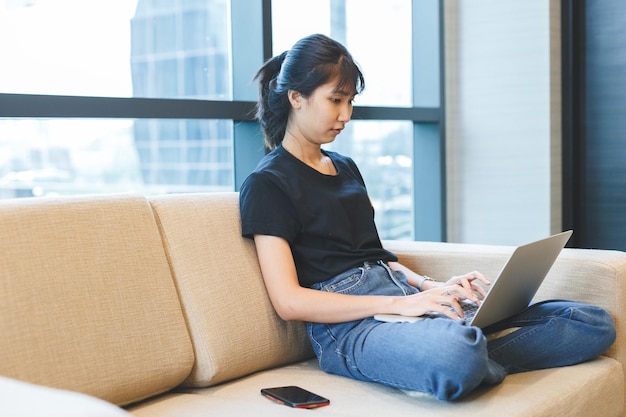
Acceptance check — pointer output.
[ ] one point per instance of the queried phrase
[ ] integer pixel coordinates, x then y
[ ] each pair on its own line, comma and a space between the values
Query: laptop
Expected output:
516, 284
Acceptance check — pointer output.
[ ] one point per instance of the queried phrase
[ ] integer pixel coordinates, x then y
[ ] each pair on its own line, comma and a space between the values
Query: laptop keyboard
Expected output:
469, 309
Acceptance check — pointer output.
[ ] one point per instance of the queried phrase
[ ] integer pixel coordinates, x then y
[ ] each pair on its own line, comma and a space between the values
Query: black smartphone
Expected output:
294, 396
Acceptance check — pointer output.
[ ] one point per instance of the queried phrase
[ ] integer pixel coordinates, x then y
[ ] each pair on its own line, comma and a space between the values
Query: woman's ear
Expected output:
294, 98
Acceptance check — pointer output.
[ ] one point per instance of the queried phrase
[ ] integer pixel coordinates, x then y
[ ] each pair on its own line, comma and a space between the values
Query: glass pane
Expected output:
383, 52
383, 152
120, 48
40, 157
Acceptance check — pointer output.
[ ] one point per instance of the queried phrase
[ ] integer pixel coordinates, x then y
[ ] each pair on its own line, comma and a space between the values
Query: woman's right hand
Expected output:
443, 300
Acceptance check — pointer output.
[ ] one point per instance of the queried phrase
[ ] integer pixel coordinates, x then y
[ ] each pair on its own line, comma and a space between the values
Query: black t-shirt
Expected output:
327, 220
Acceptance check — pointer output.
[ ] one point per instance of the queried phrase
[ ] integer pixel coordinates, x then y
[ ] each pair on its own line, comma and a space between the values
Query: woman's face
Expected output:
320, 117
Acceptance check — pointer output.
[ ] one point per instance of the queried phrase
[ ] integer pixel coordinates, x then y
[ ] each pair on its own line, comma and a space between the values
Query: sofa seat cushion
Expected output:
590, 389
192, 405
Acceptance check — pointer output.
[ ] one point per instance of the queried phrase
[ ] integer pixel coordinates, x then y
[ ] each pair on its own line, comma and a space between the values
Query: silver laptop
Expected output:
516, 285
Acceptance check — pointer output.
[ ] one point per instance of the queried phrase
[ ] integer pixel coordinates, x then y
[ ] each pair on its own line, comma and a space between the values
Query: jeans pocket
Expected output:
346, 283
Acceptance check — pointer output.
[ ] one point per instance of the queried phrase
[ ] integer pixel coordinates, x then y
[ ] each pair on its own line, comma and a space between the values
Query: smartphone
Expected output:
294, 396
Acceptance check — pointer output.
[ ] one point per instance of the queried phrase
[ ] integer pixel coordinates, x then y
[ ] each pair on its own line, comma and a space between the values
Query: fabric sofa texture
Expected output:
127, 305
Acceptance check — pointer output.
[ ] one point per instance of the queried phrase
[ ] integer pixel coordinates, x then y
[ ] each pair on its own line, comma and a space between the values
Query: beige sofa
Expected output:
122, 305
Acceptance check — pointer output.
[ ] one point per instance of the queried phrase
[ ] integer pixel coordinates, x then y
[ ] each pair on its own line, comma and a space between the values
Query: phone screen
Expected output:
294, 396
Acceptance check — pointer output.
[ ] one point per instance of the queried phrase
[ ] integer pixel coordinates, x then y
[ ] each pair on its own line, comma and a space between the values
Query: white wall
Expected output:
503, 120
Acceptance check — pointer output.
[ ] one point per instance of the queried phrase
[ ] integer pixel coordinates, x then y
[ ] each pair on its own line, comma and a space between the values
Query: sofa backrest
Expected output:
87, 301
233, 326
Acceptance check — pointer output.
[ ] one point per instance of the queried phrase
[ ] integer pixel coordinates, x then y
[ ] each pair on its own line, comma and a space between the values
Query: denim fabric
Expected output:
552, 333
448, 358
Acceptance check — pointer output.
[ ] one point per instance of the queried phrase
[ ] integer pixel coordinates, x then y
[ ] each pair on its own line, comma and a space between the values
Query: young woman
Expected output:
322, 261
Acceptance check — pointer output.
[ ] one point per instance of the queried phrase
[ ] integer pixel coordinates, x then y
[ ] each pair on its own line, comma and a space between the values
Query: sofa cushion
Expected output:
590, 389
233, 326
87, 301
21, 399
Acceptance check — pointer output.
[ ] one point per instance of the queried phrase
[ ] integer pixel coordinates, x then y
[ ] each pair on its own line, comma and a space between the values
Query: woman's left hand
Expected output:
469, 282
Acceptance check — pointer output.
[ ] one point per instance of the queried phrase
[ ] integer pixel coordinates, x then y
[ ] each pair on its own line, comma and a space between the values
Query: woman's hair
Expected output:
313, 61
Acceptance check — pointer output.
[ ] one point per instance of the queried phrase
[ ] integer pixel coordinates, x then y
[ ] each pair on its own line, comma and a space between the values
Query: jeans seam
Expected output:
393, 277
313, 340
328, 330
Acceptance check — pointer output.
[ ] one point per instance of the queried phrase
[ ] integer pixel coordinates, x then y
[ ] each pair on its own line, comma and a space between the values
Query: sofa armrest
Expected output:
592, 276
22, 399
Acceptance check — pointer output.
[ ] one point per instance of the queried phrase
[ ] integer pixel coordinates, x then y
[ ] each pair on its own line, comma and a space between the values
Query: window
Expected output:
383, 54
156, 97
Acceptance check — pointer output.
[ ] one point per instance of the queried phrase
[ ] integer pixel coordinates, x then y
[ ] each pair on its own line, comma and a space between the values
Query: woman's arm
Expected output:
293, 302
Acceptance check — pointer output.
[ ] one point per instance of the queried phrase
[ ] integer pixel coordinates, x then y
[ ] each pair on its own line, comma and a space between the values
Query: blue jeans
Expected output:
448, 358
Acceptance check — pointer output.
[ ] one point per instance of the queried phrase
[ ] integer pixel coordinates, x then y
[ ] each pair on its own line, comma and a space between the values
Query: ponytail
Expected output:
273, 105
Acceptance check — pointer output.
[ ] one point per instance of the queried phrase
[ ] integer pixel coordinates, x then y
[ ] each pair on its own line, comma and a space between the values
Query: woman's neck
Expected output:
309, 154
306, 152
